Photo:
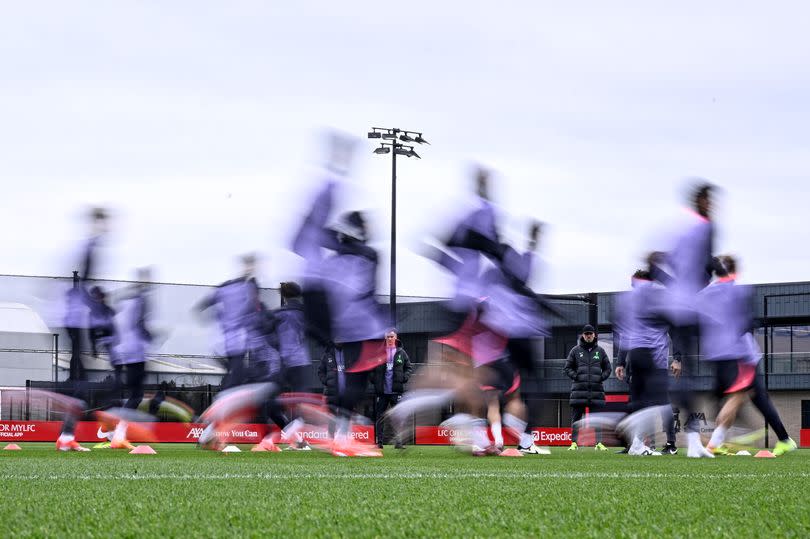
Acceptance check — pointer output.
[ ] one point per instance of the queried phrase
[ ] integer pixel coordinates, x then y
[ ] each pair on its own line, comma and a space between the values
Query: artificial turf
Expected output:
422, 492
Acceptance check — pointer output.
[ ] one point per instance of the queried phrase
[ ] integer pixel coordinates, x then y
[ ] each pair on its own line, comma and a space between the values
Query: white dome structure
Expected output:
19, 318
26, 346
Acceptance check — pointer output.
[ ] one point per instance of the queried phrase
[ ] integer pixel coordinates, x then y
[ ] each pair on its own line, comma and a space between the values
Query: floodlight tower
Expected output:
395, 147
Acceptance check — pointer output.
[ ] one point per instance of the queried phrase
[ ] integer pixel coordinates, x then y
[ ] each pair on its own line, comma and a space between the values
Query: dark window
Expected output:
545, 412
806, 414
779, 342
778, 346
801, 339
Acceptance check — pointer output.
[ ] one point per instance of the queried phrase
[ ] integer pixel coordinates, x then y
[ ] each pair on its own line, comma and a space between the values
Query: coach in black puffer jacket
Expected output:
331, 374
588, 366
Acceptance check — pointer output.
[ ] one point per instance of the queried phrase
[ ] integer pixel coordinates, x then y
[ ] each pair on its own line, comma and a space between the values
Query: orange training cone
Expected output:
12, 447
765, 454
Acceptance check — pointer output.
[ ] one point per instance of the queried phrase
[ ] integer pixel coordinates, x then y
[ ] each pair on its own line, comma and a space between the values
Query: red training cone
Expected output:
765, 454
12, 447
511, 452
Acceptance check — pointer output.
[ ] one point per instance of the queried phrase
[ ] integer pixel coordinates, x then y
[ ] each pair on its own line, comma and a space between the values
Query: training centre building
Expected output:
34, 352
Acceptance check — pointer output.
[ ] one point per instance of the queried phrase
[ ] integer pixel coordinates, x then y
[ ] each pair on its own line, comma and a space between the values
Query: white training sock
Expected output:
120, 431
497, 433
206, 435
420, 400
718, 436
516, 426
693, 438
526, 440
460, 427
291, 431
479, 433
342, 429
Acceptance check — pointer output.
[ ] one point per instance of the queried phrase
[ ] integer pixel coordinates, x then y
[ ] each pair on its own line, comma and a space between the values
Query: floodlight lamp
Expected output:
382, 150
374, 134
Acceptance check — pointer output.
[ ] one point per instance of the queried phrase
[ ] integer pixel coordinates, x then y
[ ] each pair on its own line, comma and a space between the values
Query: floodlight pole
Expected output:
392, 300
393, 134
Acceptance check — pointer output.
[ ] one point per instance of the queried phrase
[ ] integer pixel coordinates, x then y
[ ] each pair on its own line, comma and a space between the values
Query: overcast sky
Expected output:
198, 123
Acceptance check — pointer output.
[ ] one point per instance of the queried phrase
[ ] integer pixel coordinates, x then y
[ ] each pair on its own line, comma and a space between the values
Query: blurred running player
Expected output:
131, 349
645, 345
76, 322
690, 262
727, 319
288, 323
234, 302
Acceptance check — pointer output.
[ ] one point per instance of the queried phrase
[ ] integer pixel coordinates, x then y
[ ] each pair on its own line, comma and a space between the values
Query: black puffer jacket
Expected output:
402, 372
328, 372
588, 366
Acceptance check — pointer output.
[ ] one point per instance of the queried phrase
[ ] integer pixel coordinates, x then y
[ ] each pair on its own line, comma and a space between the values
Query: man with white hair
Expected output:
389, 381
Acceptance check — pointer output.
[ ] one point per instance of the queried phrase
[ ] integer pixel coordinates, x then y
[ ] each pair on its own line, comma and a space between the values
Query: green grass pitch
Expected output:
422, 492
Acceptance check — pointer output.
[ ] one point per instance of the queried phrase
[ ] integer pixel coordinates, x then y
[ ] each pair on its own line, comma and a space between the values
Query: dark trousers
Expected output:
649, 382
156, 401
381, 404
527, 356
649, 386
333, 402
521, 354
668, 420
271, 410
356, 382
292, 379
287, 379
76, 385
111, 395
135, 376
762, 401
236, 371
577, 413
76, 367
685, 346
318, 314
